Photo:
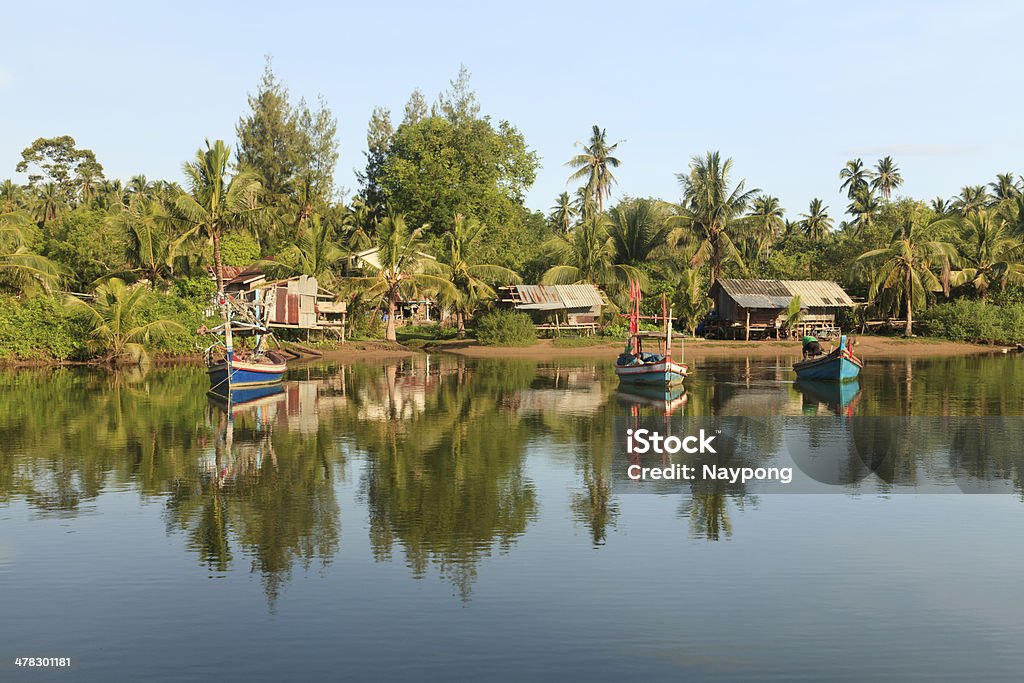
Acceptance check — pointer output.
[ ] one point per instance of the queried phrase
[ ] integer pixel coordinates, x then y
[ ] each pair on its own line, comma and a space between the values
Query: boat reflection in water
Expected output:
666, 399
840, 398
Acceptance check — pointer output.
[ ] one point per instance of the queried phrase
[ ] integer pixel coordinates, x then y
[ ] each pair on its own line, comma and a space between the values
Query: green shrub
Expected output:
974, 321
239, 249
505, 328
198, 288
39, 328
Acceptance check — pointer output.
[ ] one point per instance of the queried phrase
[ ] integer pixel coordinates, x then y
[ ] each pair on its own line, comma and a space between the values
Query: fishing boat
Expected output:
251, 365
637, 366
838, 366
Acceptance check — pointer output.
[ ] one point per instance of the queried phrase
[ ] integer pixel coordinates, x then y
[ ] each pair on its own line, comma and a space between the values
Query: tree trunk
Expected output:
390, 333
218, 265
909, 330
460, 321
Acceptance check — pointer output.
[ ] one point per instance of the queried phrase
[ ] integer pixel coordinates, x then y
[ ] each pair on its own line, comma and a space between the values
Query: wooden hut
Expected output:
757, 308
295, 303
558, 308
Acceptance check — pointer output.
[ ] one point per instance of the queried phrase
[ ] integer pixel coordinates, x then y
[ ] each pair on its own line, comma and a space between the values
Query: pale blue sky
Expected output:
789, 90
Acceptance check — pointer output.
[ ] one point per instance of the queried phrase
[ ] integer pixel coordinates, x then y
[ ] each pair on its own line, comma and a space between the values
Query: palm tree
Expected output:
864, 208
563, 214
855, 177
886, 177
638, 232
990, 253
470, 281
139, 184
902, 271
585, 255
214, 202
1004, 188
86, 182
690, 300
399, 273
48, 202
941, 206
971, 200
17, 260
315, 253
149, 247
816, 222
11, 196
710, 212
114, 316
594, 165
767, 215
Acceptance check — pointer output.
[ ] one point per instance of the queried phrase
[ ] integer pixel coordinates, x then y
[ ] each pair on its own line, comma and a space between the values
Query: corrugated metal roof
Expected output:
557, 297
778, 293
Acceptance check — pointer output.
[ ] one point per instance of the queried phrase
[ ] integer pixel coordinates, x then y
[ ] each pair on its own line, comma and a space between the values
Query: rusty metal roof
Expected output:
557, 297
778, 293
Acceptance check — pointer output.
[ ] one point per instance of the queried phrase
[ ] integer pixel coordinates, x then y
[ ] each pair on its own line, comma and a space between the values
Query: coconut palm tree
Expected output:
399, 272
767, 217
886, 177
991, 255
19, 263
563, 214
855, 177
638, 232
114, 315
710, 213
472, 282
864, 208
216, 202
1004, 188
903, 272
971, 200
150, 247
690, 300
315, 253
585, 255
941, 206
816, 222
594, 166
48, 203
12, 196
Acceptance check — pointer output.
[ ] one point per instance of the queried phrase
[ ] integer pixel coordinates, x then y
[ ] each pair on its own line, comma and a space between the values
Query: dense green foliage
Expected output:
505, 328
440, 214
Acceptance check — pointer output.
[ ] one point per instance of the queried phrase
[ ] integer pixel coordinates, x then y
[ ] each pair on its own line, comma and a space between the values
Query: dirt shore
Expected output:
865, 346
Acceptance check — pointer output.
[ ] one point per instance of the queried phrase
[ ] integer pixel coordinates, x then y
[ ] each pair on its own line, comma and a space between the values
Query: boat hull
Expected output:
665, 373
244, 374
830, 369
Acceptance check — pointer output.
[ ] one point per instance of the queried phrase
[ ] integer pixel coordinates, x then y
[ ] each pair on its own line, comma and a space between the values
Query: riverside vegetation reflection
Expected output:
440, 448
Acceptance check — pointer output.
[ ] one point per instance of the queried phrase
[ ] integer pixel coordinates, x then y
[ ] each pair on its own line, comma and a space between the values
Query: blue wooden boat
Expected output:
839, 366
266, 370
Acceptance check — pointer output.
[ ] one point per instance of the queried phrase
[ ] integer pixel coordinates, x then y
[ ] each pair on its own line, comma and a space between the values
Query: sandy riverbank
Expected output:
866, 346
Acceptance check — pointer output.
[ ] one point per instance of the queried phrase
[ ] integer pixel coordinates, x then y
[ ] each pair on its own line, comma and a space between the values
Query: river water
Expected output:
432, 518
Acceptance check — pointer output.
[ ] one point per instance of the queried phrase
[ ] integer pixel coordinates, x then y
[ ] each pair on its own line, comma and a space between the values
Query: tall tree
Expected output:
886, 177
216, 202
638, 230
1004, 188
594, 166
58, 161
971, 200
269, 138
864, 208
816, 222
471, 281
767, 216
902, 271
399, 272
378, 140
563, 214
990, 253
855, 177
710, 213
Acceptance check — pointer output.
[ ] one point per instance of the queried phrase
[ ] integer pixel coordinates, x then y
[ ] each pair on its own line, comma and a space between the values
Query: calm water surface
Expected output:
430, 517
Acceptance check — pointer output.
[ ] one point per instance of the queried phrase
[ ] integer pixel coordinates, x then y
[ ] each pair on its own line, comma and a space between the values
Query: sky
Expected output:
789, 90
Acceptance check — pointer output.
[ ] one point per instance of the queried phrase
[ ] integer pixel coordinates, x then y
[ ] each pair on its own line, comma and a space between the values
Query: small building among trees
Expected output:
558, 308
762, 308
295, 303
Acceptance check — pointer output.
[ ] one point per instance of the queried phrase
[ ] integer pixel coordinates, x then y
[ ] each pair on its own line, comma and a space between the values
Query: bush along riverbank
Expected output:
48, 328
971, 320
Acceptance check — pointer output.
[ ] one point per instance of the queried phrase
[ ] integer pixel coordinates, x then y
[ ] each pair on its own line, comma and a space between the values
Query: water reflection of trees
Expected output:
446, 481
